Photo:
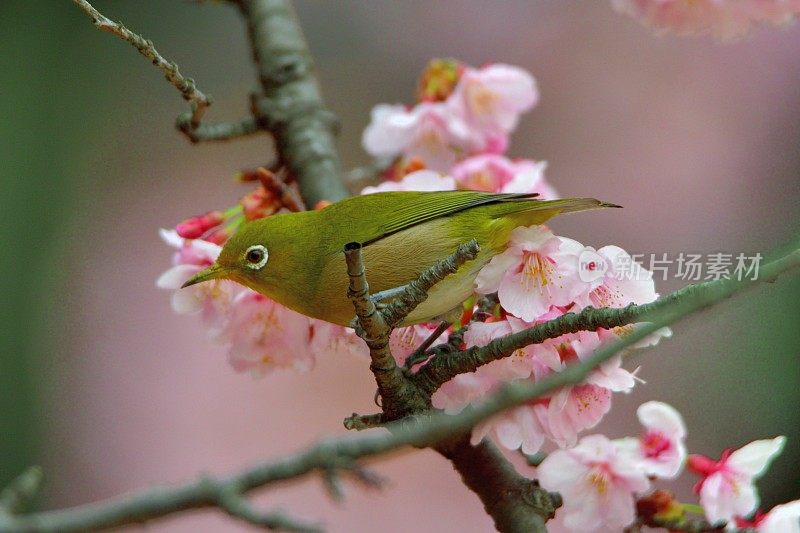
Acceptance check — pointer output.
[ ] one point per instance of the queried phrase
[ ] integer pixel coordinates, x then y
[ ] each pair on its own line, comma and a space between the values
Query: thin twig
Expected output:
222, 131
239, 507
416, 292
361, 422
197, 100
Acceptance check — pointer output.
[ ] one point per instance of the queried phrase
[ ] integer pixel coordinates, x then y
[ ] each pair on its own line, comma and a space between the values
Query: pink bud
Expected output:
701, 464
195, 227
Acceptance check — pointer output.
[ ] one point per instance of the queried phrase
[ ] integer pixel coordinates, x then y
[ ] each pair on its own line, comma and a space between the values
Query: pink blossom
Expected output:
430, 131
421, 180
544, 357
783, 518
212, 299
335, 341
575, 409
460, 391
726, 19
536, 271
454, 395
616, 279
517, 428
516, 366
726, 488
597, 484
496, 173
404, 341
264, 335
492, 98
660, 450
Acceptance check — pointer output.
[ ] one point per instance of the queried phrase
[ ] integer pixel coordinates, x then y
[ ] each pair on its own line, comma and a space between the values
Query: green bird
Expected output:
297, 259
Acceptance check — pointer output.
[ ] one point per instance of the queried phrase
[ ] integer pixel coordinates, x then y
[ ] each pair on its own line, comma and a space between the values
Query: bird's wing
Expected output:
407, 209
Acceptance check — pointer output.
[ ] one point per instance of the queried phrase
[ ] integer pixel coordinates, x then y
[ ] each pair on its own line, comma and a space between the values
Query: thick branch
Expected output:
291, 106
514, 502
423, 430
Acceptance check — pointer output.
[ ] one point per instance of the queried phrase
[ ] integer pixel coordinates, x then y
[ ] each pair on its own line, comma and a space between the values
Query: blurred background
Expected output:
109, 391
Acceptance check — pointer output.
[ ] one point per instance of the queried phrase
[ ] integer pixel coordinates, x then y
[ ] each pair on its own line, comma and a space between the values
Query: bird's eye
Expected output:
256, 256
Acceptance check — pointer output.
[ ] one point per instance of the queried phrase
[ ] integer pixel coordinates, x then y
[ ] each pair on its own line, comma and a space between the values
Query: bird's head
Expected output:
245, 258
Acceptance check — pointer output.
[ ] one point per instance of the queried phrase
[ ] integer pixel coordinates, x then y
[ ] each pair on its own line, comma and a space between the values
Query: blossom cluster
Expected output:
600, 480
460, 127
725, 19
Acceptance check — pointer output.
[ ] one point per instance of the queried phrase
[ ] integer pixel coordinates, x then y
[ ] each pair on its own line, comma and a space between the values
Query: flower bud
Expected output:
195, 227
438, 80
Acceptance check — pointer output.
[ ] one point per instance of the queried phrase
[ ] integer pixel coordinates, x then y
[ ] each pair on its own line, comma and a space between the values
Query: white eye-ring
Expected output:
256, 256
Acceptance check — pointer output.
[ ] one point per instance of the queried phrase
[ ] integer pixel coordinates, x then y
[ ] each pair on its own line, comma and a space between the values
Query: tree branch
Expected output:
197, 100
290, 105
221, 131
420, 430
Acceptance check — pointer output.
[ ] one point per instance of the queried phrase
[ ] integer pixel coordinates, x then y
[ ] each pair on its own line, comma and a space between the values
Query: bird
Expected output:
297, 259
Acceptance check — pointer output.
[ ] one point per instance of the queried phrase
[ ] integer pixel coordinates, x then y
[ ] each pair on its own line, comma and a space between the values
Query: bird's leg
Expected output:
418, 355
388, 293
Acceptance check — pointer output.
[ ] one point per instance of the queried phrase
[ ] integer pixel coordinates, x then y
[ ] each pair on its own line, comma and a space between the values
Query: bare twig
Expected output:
239, 507
222, 131
275, 184
420, 430
360, 422
197, 100
416, 292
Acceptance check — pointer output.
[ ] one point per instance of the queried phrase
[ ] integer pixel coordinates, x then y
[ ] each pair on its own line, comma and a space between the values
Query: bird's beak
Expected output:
215, 271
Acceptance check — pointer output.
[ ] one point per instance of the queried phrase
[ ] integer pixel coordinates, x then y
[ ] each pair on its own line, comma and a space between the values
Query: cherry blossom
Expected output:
420, 180
496, 173
727, 489
616, 278
492, 98
518, 428
597, 483
660, 449
536, 271
212, 299
404, 341
726, 19
783, 518
265, 335
430, 131
456, 394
